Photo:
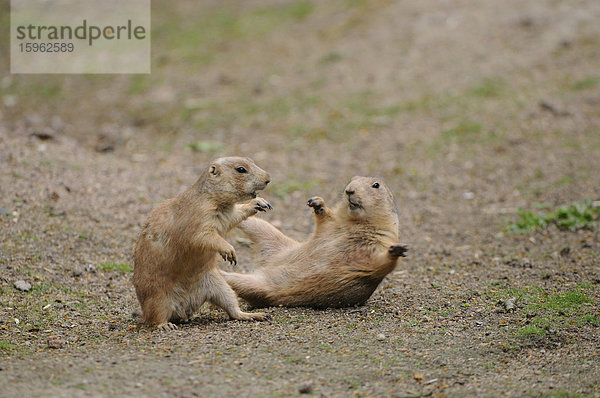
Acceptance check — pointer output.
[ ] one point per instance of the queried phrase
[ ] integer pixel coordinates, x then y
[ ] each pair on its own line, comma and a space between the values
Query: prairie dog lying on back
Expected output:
352, 249
175, 269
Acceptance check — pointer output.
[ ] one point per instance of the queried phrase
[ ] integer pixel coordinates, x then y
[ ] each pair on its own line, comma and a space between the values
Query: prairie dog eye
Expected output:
376, 185
241, 169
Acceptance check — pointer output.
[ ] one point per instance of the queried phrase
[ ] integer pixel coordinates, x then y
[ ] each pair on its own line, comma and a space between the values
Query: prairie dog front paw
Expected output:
398, 250
228, 254
317, 203
259, 204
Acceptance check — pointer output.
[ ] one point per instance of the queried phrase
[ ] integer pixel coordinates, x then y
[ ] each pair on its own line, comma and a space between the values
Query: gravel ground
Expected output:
469, 111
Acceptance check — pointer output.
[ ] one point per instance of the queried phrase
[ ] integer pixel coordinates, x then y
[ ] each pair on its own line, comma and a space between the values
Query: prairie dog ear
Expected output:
214, 170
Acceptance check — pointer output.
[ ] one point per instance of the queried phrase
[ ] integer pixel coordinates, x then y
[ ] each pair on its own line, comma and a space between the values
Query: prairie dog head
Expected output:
235, 178
369, 199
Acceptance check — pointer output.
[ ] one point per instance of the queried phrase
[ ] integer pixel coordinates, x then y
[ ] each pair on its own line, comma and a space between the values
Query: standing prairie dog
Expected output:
352, 249
175, 269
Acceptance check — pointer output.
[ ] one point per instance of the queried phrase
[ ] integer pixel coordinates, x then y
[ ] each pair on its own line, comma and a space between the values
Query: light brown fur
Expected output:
175, 269
352, 249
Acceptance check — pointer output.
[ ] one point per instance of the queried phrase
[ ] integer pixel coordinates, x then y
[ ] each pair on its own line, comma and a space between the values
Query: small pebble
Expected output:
58, 213
77, 272
381, 337
418, 376
22, 285
55, 342
509, 304
305, 388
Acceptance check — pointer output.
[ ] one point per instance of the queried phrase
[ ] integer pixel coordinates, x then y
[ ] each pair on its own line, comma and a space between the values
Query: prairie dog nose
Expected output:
349, 192
267, 182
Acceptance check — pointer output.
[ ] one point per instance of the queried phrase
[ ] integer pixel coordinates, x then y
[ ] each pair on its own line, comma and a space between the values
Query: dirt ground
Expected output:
469, 110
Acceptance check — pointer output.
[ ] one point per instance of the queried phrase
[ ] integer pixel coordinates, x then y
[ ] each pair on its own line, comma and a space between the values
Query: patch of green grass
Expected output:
538, 300
139, 84
206, 146
111, 267
550, 310
196, 41
302, 115
588, 319
46, 287
42, 307
282, 113
528, 222
263, 20
325, 347
356, 3
586, 83
566, 300
463, 130
308, 133
353, 383
365, 105
585, 286
7, 348
579, 215
292, 184
27, 236
51, 90
330, 58
360, 110
284, 106
37, 90
490, 87
562, 181
530, 330
490, 366
575, 216
200, 37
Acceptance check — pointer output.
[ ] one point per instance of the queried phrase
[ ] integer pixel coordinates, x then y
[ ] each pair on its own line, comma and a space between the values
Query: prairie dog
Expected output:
175, 269
352, 249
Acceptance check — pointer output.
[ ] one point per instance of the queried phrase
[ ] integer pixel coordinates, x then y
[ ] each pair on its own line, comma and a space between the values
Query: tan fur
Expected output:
175, 269
352, 249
